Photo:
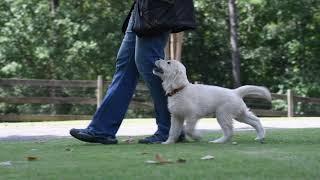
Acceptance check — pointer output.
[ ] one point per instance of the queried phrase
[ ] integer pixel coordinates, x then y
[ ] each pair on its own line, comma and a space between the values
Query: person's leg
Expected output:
110, 114
108, 118
148, 50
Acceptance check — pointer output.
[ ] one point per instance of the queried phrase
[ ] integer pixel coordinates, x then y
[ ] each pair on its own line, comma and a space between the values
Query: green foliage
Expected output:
206, 51
79, 41
279, 42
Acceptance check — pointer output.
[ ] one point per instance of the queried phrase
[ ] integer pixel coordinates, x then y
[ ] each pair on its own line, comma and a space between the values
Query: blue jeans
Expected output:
136, 57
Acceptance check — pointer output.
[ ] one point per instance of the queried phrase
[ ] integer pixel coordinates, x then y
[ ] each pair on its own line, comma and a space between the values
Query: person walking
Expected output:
136, 57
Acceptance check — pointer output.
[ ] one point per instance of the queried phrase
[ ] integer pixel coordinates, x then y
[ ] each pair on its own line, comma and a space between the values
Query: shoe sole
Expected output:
142, 142
92, 140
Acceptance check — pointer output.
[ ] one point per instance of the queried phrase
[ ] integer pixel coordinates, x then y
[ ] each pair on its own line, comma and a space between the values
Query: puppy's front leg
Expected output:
175, 130
190, 129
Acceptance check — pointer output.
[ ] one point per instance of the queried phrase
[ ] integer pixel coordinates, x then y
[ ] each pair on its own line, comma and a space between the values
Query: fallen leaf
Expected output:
207, 157
68, 149
158, 160
161, 160
180, 160
151, 162
6, 163
32, 158
130, 140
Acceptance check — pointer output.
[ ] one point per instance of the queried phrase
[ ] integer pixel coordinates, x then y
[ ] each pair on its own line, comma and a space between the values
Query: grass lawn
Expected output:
287, 154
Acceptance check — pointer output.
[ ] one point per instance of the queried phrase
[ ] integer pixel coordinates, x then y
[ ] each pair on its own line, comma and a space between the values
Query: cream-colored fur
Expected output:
196, 101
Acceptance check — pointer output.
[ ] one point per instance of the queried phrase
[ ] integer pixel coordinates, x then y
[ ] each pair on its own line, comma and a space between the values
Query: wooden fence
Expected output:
99, 85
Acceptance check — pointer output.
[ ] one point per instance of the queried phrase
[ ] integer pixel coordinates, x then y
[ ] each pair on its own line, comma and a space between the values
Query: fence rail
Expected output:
48, 83
99, 85
48, 100
30, 118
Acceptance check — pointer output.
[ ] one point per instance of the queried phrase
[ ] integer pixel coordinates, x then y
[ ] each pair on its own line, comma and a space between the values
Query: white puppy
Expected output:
189, 102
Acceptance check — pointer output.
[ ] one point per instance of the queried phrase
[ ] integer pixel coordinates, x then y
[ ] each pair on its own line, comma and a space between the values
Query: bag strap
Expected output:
126, 21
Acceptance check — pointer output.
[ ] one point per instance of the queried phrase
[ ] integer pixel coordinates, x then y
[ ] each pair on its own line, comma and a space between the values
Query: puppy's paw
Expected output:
218, 141
261, 140
168, 142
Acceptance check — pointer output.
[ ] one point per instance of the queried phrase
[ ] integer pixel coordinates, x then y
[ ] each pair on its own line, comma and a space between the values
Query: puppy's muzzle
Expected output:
157, 68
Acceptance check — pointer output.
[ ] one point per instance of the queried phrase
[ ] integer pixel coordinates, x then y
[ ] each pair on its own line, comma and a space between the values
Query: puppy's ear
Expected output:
178, 79
175, 80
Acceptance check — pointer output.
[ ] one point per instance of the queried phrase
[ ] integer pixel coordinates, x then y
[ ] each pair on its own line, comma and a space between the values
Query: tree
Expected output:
279, 42
173, 49
233, 20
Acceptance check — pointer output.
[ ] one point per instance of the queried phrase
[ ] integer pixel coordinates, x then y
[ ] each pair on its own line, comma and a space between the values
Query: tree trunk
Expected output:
234, 43
53, 5
174, 46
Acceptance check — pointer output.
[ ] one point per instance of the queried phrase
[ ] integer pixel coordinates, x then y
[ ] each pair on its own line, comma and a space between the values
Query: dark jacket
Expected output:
185, 16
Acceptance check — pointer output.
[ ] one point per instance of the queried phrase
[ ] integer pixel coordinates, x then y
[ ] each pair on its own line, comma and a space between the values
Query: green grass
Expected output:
287, 154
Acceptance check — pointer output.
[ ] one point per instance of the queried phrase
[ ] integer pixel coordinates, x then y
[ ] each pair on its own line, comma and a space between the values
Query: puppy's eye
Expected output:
168, 62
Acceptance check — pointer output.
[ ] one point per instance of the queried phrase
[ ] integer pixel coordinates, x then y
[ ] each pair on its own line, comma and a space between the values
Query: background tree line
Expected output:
279, 43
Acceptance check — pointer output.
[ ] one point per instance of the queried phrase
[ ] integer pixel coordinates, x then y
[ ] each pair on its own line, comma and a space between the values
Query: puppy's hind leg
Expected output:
175, 130
249, 118
190, 129
225, 121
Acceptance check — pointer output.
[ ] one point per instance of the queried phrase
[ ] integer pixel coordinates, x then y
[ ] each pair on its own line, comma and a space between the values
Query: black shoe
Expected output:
154, 139
157, 139
87, 136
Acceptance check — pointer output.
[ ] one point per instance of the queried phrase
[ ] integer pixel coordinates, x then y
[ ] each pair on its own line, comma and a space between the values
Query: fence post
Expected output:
99, 90
290, 103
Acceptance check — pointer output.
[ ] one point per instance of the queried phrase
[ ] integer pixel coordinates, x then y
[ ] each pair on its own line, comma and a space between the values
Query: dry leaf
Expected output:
158, 160
32, 158
151, 162
180, 160
234, 143
68, 149
6, 163
161, 160
130, 140
207, 157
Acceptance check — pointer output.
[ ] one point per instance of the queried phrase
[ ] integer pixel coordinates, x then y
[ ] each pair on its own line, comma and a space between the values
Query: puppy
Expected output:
189, 102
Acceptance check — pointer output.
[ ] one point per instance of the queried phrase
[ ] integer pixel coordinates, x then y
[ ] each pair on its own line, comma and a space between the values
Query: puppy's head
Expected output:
172, 73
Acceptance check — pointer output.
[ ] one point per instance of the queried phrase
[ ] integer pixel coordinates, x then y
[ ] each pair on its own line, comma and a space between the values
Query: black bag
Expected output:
152, 17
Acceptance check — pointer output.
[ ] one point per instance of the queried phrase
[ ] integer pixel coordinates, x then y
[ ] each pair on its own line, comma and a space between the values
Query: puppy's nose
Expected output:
157, 62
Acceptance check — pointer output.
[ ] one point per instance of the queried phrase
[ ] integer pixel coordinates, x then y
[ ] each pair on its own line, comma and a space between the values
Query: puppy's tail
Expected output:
254, 91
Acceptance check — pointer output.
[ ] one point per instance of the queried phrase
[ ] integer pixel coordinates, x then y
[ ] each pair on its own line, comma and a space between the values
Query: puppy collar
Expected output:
175, 91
